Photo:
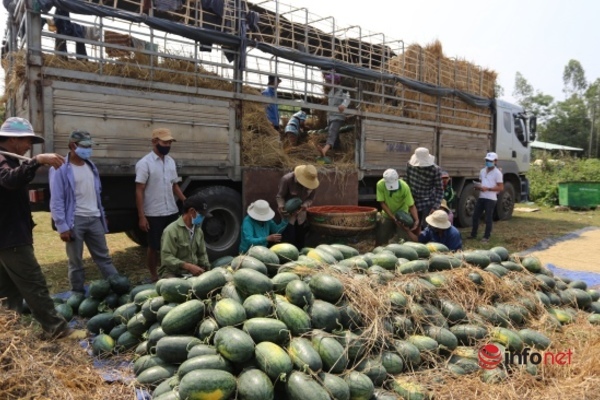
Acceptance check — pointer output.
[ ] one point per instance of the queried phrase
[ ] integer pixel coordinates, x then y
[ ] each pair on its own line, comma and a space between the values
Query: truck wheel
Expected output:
506, 202
138, 236
466, 206
222, 231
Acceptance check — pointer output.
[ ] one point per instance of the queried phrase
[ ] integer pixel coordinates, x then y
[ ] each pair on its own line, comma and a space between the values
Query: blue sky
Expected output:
535, 37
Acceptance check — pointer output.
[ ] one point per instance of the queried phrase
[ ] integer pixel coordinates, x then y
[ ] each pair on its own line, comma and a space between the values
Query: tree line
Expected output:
572, 121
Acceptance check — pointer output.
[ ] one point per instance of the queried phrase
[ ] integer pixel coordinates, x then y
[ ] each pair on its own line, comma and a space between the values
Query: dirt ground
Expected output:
577, 251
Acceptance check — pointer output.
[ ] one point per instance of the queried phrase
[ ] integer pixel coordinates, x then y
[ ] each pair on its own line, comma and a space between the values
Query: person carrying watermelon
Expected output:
399, 213
440, 230
259, 228
302, 183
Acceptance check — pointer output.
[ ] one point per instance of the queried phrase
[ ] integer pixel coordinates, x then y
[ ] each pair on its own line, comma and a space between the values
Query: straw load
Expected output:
429, 64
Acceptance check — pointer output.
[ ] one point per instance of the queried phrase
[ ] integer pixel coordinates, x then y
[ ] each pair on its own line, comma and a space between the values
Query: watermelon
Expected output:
478, 259
144, 295
263, 254
532, 264
285, 252
508, 338
420, 248
501, 252
153, 338
373, 369
355, 345
174, 349
205, 384
304, 356
300, 386
246, 261
184, 318
230, 292
88, 307
141, 288
281, 280
332, 353
273, 360
155, 375
201, 350
404, 218
412, 267
409, 389
119, 284
292, 205
267, 330
320, 256
403, 251
361, 386
392, 362
138, 325
103, 344
297, 321
325, 316
147, 361
335, 385
495, 375
125, 312
249, 282
346, 251
202, 286
65, 311
385, 259
435, 247
126, 342
258, 305
118, 331
207, 361
150, 308
326, 287
446, 339
99, 289
228, 312
224, 261
234, 344
468, 334
535, 339
298, 293
101, 323
75, 300
331, 250
253, 384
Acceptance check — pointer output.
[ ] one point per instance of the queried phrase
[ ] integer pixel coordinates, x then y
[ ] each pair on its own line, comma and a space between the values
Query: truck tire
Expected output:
138, 236
466, 206
222, 231
506, 202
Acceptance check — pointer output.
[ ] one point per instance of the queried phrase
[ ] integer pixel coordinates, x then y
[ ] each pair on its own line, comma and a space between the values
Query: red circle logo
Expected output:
489, 356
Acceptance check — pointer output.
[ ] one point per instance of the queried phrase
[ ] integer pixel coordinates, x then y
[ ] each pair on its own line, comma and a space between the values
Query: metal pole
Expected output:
592, 130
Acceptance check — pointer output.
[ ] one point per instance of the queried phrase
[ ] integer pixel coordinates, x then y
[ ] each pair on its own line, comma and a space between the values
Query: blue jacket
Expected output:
62, 196
254, 233
451, 238
271, 109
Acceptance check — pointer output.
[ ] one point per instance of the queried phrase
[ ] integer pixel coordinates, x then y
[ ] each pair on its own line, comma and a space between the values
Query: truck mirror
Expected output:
532, 127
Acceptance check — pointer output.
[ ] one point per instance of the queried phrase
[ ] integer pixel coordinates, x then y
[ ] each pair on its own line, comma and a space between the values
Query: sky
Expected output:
534, 37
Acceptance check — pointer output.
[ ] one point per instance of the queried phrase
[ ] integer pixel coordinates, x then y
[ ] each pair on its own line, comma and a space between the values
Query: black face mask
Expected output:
164, 150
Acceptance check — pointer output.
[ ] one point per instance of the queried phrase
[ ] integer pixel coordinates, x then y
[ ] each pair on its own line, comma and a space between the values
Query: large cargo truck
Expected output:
122, 68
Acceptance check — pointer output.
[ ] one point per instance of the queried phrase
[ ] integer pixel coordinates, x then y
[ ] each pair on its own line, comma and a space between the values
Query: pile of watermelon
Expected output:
330, 323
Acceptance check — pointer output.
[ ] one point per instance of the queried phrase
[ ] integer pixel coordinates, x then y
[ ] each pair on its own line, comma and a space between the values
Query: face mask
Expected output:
83, 152
489, 164
198, 219
164, 150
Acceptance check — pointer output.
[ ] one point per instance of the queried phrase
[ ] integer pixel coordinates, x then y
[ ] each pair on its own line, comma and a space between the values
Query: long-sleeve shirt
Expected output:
16, 222
180, 245
451, 238
426, 186
271, 109
289, 188
62, 199
335, 98
254, 233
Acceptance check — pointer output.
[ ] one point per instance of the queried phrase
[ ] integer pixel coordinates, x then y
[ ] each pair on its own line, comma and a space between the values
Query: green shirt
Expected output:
396, 200
177, 248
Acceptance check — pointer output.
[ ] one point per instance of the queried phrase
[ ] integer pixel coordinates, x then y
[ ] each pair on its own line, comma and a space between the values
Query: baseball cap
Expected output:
163, 134
81, 137
491, 156
390, 176
19, 127
198, 203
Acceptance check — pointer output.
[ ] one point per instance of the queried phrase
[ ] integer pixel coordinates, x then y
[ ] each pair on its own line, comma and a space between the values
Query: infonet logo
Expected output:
490, 356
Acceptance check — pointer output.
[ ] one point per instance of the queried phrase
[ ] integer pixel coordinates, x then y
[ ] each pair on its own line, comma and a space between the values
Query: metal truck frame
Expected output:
224, 66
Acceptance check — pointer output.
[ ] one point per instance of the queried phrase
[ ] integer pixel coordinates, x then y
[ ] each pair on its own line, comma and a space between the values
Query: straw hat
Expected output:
19, 128
444, 205
421, 158
260, 211
306, 175
438, 219
163, 134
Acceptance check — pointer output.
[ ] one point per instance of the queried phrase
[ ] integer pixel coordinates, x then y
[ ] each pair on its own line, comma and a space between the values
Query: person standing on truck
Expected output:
155, 191
394, 195
425, 181
21, 276
301, 183
339, 99
77, 211
259, 228
183, 250
295, 126
272, 109
491, 182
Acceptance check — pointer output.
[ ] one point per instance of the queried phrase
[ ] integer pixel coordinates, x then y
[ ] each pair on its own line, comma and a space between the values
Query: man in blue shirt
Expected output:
439, 230
271, 109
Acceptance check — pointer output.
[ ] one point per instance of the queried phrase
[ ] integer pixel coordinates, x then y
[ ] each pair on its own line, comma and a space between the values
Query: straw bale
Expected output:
33, 368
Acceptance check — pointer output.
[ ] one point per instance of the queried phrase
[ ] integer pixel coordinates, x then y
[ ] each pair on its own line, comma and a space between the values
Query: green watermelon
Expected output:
292, 205
404, 218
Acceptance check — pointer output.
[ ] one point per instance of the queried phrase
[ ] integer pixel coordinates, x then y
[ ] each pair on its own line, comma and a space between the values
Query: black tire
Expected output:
138, 236
222, 231
466, 206
506, 202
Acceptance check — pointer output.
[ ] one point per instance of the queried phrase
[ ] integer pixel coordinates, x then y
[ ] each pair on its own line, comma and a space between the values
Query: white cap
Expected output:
491, 156
390, 176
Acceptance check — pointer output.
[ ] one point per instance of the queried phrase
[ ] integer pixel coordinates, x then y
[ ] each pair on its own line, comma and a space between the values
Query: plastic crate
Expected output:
579, 194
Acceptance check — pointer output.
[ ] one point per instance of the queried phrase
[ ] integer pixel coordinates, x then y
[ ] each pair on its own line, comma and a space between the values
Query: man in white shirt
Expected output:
491, 184
77, 210
155, 191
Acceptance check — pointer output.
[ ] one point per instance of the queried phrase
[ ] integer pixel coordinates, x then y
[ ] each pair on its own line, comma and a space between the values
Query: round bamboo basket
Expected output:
342, 220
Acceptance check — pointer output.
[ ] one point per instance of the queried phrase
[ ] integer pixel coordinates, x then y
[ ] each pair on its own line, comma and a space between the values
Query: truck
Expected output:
121, 68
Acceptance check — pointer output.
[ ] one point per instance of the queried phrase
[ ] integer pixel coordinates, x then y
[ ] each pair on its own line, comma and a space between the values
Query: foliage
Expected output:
534, 102
569, 125
544, 178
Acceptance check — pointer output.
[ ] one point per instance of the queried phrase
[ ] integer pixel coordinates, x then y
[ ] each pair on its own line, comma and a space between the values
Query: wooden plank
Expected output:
462, 153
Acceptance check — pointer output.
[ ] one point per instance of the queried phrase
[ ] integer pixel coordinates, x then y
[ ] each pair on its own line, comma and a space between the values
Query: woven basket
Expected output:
342, 220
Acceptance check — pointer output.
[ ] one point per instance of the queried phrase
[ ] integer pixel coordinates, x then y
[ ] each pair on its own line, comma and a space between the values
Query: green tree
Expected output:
574, 78
569, 124
534, 102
